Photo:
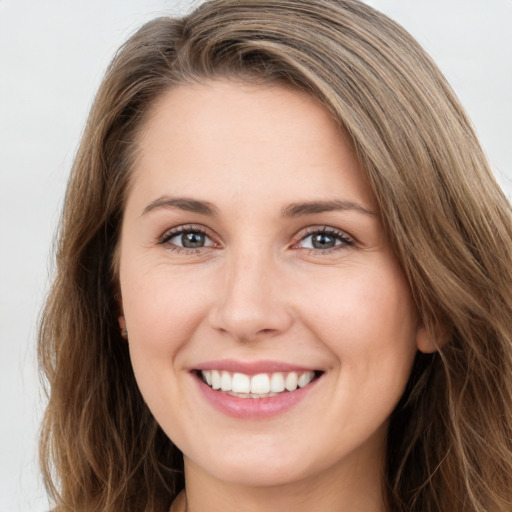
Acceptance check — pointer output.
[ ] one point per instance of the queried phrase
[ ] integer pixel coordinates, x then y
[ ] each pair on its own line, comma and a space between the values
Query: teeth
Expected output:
277, 383
241, 383
225, 381
305, 378
215, 379
257, 386
290, 382
260, 384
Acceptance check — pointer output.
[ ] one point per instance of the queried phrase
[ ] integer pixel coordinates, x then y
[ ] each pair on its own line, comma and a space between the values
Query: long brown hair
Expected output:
450, 438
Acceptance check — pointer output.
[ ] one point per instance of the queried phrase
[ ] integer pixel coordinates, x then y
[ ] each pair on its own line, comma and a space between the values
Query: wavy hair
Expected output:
450, 225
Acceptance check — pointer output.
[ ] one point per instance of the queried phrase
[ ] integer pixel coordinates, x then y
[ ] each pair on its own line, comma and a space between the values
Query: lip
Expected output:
252, 408
252, 367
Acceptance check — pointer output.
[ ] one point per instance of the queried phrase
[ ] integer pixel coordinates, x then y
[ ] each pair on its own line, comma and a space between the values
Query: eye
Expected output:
190, 240
185, 238
325, 239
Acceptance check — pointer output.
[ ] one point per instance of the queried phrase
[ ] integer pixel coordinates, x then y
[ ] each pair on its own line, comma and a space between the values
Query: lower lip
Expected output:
253, 408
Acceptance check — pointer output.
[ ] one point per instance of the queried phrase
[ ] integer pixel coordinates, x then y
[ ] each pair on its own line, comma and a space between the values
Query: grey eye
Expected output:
189, 240
324, 241
192, 240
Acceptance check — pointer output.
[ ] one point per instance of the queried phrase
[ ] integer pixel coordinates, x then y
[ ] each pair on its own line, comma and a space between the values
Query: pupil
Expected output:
323, 241
192, 240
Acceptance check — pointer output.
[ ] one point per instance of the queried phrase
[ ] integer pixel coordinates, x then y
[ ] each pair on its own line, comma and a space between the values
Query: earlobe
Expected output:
120, 319
122, 325
425, 342
430, 341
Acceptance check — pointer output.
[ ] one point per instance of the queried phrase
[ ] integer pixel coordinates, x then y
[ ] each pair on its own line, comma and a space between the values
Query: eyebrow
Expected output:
312, 207
182, 203
293, 210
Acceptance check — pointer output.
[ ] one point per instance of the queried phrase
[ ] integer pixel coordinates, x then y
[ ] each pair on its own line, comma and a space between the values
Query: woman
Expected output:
284, 277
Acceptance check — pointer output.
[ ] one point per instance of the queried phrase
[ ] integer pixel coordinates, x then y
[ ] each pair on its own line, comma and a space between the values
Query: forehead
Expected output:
235, 138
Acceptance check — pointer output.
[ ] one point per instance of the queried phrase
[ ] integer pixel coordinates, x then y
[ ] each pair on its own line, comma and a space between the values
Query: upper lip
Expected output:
252, 367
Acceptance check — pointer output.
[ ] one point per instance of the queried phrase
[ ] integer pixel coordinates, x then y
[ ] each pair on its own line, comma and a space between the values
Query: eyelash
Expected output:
346, 241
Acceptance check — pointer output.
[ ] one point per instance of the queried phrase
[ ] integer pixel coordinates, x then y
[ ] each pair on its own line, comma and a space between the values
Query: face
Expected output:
271, 329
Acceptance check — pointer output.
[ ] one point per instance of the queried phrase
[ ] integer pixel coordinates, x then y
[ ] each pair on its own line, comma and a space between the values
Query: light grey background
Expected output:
52, 57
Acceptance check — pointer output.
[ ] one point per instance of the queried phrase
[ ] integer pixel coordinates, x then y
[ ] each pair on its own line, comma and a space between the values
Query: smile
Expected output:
255, 390
261, 385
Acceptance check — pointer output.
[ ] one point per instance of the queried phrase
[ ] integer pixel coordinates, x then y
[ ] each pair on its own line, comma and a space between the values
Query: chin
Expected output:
258, 474
254, 468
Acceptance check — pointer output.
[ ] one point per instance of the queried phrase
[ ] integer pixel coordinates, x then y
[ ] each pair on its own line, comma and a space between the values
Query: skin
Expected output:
257, 290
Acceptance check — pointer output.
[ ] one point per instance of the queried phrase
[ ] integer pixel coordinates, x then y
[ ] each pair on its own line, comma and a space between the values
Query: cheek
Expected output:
366, 317
368, 322
160, 306
162, 313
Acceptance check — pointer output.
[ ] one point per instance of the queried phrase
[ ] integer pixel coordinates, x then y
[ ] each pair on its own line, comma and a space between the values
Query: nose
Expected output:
252, 303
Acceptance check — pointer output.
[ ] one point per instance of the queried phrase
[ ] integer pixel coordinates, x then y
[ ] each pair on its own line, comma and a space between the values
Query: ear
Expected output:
120, 319
429, 341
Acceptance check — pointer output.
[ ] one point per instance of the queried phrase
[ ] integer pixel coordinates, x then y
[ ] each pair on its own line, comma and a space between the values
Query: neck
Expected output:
359, 489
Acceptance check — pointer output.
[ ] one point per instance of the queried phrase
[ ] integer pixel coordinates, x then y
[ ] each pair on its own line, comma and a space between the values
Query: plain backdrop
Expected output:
52, 57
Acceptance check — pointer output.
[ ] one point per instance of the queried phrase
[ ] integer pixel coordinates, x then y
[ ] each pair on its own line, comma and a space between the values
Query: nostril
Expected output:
266, 331
247, 315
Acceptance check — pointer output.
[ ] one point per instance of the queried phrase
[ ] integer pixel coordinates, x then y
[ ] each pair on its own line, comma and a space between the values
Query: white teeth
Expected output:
225, 381
277, 383
241, 383
290, 382
305, 378
260, 385
215, 379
